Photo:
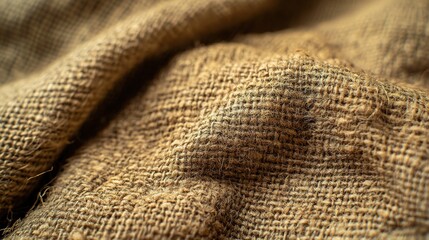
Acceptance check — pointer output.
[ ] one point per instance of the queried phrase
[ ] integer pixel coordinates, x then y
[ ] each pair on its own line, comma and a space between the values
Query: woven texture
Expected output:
313, 122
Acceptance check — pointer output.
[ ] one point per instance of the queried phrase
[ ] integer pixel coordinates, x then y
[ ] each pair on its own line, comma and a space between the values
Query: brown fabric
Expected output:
312, 121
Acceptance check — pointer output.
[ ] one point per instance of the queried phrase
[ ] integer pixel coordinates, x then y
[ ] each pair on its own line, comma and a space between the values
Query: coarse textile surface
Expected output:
214, 119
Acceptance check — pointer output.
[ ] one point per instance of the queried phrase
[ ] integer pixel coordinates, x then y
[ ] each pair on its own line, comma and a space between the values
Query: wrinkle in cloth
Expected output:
210, 119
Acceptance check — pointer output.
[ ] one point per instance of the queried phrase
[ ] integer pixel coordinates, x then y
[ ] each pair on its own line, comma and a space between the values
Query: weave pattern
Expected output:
38, 121
319, 130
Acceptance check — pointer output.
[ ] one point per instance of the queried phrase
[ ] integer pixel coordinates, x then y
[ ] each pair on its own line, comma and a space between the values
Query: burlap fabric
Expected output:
306, 121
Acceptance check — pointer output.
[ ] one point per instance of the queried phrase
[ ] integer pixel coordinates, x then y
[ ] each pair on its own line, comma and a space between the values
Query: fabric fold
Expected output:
38, 119
234, 142
310, 122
